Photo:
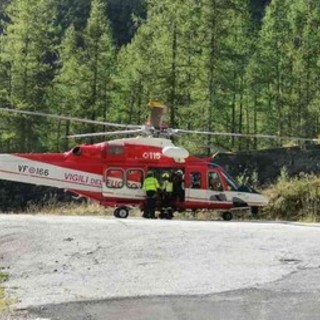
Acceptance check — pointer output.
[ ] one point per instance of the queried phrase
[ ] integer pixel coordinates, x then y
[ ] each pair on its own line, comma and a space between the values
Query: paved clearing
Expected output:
106, 268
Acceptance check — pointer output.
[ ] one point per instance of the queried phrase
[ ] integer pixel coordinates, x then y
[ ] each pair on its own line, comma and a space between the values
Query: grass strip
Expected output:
4, 303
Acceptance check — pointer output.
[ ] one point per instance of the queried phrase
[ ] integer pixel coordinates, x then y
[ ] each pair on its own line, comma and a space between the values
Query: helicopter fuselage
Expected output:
112, 174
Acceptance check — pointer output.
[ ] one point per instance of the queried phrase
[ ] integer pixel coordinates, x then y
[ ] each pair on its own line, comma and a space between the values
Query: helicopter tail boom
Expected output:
20, 169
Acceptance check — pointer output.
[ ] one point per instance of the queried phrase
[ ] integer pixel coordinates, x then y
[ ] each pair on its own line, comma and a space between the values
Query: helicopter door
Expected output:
113, 183
125, 184
215, 188
133, 186
214, 181
195, 190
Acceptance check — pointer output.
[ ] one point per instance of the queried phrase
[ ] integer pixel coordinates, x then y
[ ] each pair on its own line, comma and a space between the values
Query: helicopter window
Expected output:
214, 182
232, 185
115, 149
134, 178
114, 178
195, 179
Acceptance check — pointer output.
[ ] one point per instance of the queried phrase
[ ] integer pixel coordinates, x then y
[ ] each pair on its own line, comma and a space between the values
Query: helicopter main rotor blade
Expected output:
244, 135
61, 117
100, 134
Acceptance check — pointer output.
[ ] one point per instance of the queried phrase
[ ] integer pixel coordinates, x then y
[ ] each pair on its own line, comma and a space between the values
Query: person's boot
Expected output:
145, 215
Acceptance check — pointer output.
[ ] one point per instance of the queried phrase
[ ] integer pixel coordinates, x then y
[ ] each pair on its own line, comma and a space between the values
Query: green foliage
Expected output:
294, 199
217, 65
73, 12
82, 86
283, 71
257, 10
251, 179
4, 303
284, 175
192, 57
120, 14
27, 52
3, 277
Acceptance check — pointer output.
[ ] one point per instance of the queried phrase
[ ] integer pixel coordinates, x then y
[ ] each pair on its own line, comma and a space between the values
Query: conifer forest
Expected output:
237, 66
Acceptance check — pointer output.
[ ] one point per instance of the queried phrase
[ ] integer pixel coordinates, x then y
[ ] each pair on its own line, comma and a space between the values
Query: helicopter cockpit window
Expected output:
232, 185
114, 178
115, 149
214, 182
195, 180
134, 178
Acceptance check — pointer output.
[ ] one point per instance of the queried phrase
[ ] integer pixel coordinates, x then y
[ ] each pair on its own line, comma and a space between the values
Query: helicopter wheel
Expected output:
121, 213
227, 216
116, 213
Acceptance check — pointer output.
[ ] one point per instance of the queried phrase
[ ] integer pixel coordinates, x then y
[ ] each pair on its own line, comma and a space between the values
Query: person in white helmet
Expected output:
166, 188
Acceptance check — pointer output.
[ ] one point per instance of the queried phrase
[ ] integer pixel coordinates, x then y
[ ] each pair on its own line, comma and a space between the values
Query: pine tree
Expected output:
283, 72
191, 55
305, 21
73, 12
162, 56
98, 58
226, 47
270, 72
120, 14
63, 97
84, 83
28, 54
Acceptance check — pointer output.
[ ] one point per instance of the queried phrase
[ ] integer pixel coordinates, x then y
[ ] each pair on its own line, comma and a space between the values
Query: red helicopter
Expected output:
112, 172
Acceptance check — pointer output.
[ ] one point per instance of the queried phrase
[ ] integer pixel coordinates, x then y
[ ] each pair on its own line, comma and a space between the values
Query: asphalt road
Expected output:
105, 268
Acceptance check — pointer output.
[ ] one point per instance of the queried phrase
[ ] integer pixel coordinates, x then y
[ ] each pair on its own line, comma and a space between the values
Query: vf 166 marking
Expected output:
33, 170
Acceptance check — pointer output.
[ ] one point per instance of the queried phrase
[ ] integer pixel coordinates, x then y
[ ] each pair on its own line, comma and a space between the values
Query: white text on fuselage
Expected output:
83, 179
151, 155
